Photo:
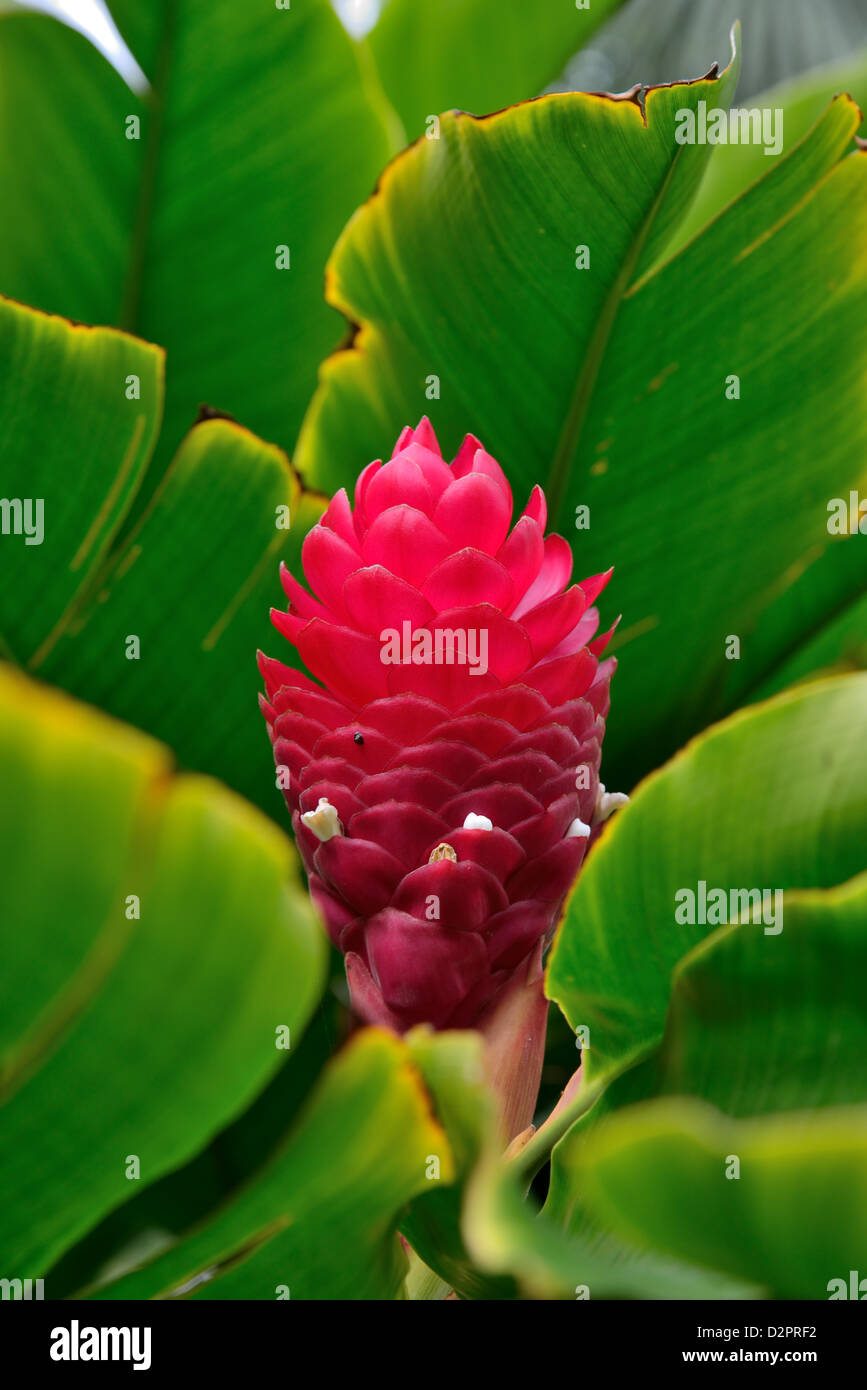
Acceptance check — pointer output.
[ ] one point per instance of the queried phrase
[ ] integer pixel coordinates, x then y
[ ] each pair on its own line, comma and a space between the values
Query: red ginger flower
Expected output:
442, 808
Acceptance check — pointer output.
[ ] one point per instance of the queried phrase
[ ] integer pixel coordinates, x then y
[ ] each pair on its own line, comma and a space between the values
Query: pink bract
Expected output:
407, 752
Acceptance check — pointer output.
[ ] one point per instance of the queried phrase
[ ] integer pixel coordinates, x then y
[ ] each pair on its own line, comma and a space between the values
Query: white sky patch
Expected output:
91, 17
359, 16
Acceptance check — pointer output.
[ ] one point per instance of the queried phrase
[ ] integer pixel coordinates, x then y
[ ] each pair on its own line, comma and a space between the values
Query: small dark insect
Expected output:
358, 738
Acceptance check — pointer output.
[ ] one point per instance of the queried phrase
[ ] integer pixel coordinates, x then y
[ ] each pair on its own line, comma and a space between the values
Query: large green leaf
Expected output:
835, 581
320, 1219
608, 385
192, 580
259, 131
732, 168
774, 798
156, 942
794, 1218
478, 55
463, 265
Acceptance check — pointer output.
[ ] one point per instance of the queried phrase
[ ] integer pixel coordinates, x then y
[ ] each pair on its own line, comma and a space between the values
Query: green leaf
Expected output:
194, 581
794, 1219
478, 55
478, 1235
320, 1218
756, 1024
733, 168
451, 1065
467, 248
191, 580
168, 1209
184, 942
774, 798
608, 385
789, 1008
259, 131
815, 611
75, 442
506, 1235
826, 647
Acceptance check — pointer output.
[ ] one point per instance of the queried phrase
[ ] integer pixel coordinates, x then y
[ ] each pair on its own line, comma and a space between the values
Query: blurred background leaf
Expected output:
477, 55
668, 40
753, 1022
185, 955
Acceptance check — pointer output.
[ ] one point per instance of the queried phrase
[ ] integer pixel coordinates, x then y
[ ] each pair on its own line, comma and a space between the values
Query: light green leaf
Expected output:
507, 1236
320, 1218
732, 168
179, 958
478, 55
795, 1218
789, 1008
774, 798
259, 132
609, 385
756, 1024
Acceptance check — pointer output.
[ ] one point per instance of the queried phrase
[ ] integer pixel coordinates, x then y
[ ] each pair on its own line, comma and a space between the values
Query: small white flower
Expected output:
577, 830
607, 803
474, 822
324, 821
